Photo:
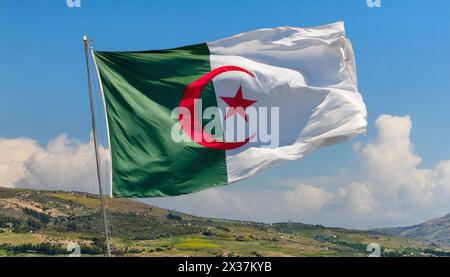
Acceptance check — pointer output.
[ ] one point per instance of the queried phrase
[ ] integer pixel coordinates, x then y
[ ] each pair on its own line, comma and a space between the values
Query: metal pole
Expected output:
94, 130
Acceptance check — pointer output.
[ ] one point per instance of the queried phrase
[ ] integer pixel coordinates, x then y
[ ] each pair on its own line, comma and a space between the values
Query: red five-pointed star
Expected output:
238, 104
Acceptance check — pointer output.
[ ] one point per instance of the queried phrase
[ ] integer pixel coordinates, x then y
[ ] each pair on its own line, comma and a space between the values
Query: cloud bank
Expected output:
63, 164
387, 187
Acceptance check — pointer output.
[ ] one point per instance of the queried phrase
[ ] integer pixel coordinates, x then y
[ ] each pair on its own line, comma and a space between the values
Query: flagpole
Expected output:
97, 158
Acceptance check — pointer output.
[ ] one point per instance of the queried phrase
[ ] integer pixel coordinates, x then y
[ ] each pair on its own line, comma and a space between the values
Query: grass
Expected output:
18, 238
85, 201
257, 243
195, 243
142, 230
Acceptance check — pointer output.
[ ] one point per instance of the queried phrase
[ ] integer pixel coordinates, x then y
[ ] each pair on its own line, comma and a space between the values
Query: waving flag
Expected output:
191, 118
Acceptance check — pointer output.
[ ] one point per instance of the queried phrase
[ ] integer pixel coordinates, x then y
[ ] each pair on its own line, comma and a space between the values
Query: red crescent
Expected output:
194, 92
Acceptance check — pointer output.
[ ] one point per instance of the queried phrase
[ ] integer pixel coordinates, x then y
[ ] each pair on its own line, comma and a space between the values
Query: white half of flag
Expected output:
309, 73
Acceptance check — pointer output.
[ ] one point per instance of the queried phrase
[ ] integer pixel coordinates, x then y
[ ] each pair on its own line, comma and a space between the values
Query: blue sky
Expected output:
401, 52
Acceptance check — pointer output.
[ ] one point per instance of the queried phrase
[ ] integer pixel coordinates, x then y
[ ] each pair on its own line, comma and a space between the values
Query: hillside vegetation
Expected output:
37, 223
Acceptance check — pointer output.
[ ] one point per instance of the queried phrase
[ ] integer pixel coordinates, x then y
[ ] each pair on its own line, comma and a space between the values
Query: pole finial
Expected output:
85, 38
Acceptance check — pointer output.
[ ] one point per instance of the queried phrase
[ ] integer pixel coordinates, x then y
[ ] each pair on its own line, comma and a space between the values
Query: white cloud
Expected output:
304, 198
358, 197
389, 157
64, 164
13, 154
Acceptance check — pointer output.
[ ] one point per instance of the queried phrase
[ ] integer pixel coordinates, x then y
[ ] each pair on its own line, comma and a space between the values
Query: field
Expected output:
41, 223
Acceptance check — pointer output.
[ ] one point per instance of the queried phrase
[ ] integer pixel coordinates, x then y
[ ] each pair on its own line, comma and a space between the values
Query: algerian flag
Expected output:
298, 85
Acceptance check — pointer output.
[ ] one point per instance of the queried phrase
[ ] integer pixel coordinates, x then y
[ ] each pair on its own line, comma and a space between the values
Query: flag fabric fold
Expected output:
299, 83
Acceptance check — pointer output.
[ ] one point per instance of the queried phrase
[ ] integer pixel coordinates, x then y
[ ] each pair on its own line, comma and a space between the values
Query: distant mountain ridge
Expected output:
436, 230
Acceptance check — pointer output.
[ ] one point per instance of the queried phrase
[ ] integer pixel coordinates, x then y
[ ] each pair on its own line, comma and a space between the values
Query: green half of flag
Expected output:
141, 89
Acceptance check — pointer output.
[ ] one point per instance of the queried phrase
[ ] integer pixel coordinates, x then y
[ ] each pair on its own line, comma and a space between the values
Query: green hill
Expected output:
40, 223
